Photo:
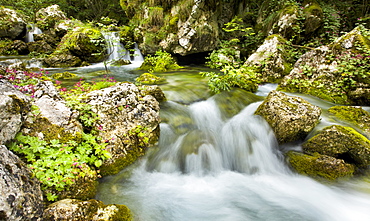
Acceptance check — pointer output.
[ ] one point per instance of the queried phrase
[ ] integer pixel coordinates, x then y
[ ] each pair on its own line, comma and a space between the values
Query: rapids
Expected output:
212, 166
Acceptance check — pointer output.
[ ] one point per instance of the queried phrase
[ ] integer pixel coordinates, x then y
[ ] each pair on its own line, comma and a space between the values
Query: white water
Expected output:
221, 170
34, 31
117, 51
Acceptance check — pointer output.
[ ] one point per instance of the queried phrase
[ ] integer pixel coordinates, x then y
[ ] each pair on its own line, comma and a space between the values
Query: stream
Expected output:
215, 160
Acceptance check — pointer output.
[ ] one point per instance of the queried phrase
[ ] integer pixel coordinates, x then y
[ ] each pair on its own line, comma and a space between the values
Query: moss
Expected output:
161, 62
319, 166
123, 213
148, 78
19, 106
341, 142
314, 8
6, 48
113, 168
354, 115
50, 131
64, 75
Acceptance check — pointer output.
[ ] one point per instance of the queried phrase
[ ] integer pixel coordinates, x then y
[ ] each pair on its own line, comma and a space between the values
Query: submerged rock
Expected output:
342, 143
20, 194
71, 209
291, 118
319, 166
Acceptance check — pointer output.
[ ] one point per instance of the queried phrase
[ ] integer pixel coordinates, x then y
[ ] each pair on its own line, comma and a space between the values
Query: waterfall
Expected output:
117, 51
211, 167
34, 31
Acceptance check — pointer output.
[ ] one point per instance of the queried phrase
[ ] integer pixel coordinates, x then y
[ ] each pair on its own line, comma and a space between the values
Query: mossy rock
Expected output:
148, 78
319, 166
353, 115
291, 118
72, 209
343, 143
64, 75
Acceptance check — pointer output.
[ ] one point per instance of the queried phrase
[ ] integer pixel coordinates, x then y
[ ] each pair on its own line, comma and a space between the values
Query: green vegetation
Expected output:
148, 78
354, 115
57, 165
160, 62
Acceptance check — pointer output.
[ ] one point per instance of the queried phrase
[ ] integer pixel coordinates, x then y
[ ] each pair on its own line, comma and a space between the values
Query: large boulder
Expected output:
342, 143
47, 18
14, 107
319, 166
12, 25
62, 60
270, 59
20, 194
337, 72
72, 209
291, 118
128, 120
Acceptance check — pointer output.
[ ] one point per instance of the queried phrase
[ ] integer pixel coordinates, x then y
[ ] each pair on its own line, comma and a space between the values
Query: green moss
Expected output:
161, 62
319, 166
314, 8
50, 131
148, 78
354, 115
341, 142
64, 75
123, 213
6, 48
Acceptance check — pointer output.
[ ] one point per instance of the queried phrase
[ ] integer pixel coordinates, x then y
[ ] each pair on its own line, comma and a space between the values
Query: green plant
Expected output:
58, 165
162, 61
244, 77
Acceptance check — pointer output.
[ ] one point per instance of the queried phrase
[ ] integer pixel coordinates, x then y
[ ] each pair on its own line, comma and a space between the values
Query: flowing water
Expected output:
216, 160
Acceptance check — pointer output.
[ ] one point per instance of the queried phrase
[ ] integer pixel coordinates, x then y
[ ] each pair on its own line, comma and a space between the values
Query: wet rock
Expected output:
14, 107
128, 121
319, 166
148, 78
154, 91
71, 209
20, 194
291, 118
12, 25
354, 115
41, 47
273, 57
342, 143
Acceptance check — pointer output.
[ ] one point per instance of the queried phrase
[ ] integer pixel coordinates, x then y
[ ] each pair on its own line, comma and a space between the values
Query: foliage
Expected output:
74, 98
161, 62
58, 165
243, 77
26, 84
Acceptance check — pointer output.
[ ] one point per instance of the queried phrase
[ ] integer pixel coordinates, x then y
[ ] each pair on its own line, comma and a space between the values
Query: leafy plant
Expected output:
162, 61
58, 165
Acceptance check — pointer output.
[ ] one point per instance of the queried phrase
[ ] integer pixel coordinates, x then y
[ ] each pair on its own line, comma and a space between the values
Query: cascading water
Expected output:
209, 166
30, 34
115, 48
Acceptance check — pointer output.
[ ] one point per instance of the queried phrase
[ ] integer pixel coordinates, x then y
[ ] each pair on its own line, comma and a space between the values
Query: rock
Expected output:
147, 78
314, 16
342, 143
20, 194
54, 120
62, 61
12, 25
319, 166
20, 47
127, 120
273, 57
41, 47
47, 18
354, 115
92, 210
14, 107
291, 118
336, 72
154, 91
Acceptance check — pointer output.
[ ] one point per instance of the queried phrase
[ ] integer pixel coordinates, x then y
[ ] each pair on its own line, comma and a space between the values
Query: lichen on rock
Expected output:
291, 118
72, 209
